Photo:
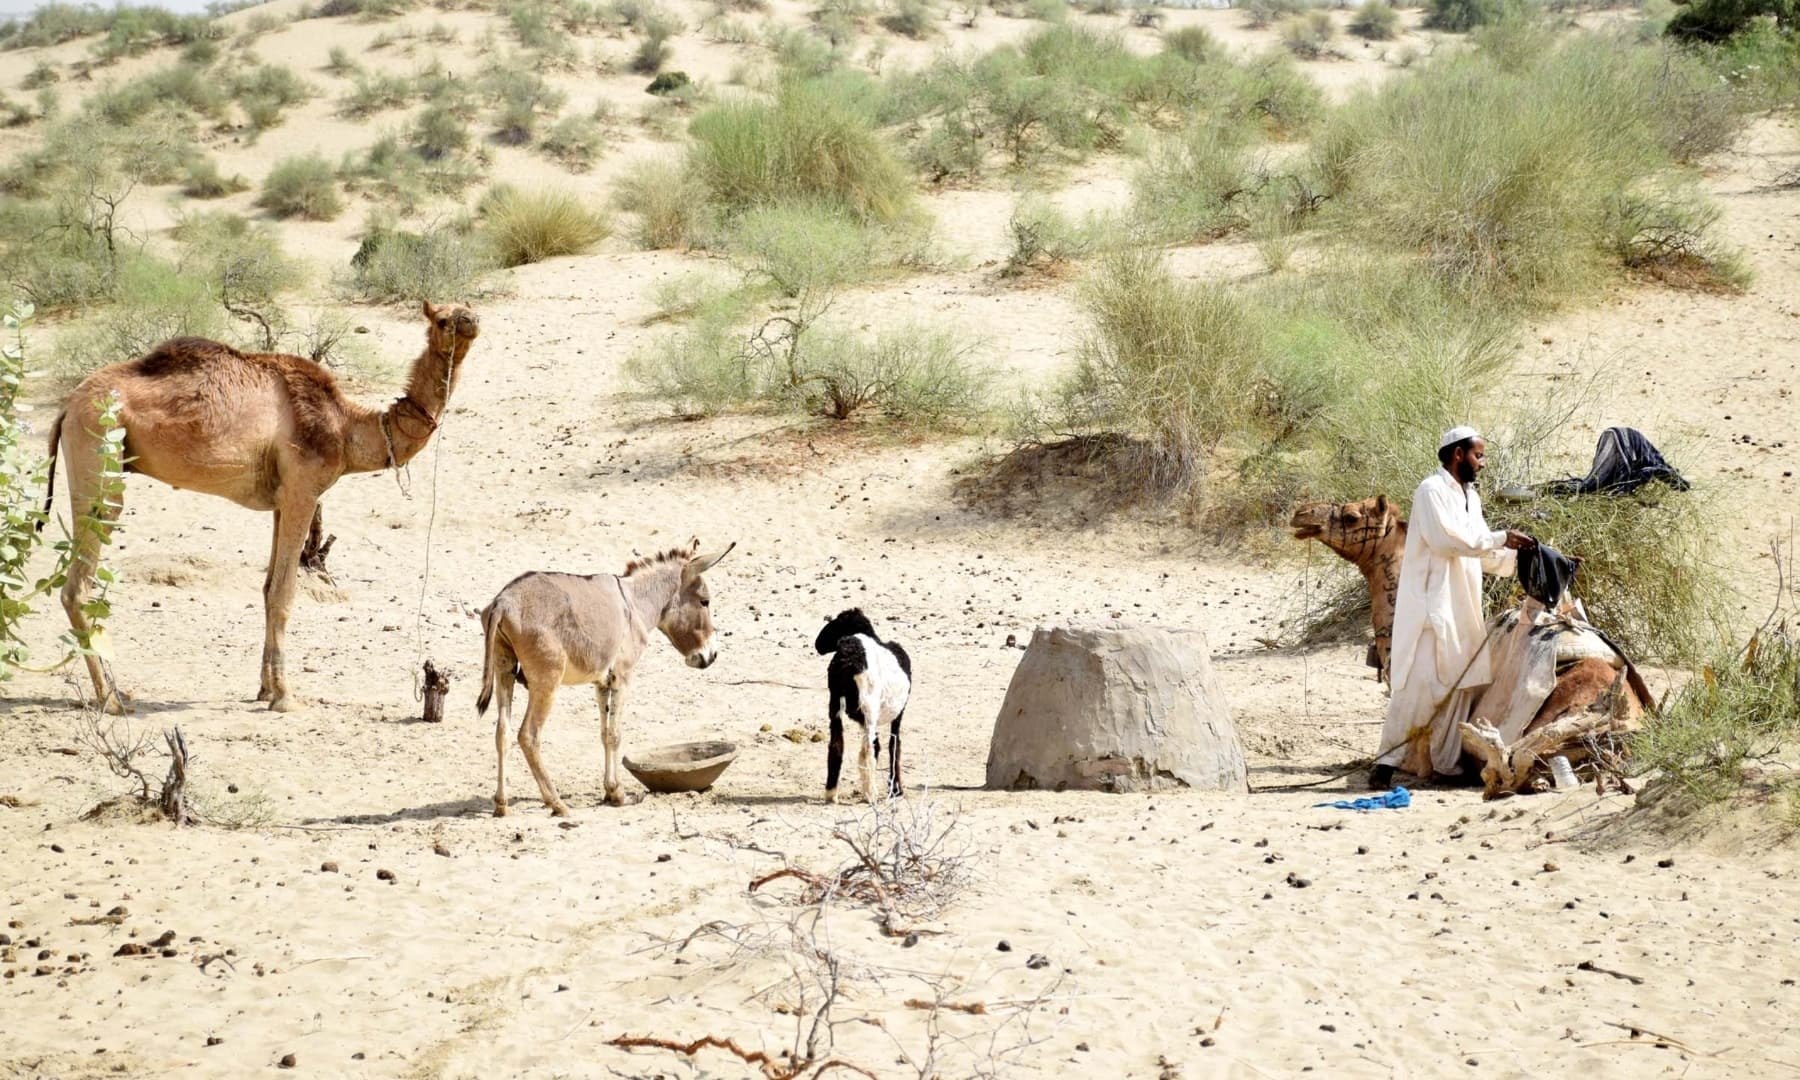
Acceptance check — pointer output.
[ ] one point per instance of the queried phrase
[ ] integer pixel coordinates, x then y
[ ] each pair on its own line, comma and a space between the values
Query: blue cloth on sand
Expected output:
1392, 800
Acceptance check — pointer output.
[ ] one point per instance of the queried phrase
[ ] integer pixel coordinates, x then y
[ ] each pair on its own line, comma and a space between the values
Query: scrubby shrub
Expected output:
152, 302
43, 73
801, 247
1171, 360
1195, 44
1308, 36
653, 49
1044, 240
670, 202
302, 187
575, 142
1716, 21
400, 266
439, 132
1263, 12
339, 62
401, 174
182, 87
1740, 709
531, 226
1461, 15
522, 99
809, 143
244, 269
1375, 20
1197, 186
1666, 232
205, 181
1506, 179
668, 83
373, 92
911, 18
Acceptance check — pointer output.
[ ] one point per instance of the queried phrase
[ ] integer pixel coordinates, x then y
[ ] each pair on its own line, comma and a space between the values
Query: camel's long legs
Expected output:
292, 519
81, 459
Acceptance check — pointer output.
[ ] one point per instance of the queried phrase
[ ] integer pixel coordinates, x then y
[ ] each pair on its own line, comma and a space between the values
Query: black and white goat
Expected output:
870, 682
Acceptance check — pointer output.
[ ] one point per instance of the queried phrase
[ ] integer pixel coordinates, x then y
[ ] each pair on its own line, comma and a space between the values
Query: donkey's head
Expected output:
687, 619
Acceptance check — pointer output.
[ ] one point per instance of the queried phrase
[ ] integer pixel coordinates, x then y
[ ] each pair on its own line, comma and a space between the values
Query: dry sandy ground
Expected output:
1182, 935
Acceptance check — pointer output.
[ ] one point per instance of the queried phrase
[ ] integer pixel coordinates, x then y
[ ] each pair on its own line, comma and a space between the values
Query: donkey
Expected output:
870, 682
546, 630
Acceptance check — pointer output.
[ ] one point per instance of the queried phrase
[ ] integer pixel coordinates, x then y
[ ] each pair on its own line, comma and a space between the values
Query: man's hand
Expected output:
1518, 541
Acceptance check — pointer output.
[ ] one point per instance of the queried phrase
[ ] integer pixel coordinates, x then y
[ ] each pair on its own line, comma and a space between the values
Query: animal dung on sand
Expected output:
1135, 709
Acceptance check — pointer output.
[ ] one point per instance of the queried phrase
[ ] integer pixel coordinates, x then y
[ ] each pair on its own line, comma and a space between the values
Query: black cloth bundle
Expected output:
1545, 574
1624, 460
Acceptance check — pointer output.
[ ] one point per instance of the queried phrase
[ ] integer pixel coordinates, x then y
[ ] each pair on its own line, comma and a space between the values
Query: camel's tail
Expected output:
50, 487
490, 625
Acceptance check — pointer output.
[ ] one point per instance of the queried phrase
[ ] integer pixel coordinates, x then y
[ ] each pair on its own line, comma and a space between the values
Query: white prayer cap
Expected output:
1458, 434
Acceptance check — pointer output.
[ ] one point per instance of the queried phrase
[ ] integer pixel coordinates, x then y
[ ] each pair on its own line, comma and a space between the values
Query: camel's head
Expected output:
451, 327
1347, 528
687, 620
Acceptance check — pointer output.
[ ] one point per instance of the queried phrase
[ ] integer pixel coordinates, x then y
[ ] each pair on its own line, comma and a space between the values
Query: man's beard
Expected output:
1465, 471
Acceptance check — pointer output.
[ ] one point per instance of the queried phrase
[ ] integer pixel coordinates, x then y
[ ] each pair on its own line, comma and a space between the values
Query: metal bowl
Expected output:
683, 767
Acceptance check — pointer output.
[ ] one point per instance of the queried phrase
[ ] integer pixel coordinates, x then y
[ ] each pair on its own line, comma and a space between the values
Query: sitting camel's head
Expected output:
453, 326
1348, 528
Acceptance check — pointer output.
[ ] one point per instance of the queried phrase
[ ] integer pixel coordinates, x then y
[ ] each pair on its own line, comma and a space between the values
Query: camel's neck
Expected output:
1377, 559
393, 436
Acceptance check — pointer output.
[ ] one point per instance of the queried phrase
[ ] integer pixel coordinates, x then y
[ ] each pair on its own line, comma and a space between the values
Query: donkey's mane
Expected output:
672, 555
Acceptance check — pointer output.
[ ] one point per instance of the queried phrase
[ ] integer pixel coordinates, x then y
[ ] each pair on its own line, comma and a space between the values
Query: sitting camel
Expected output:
1590, 694
267, 431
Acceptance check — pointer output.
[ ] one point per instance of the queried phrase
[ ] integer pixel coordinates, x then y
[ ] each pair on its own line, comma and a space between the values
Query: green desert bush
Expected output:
809, 143
1375, 20
1308, 36
1666, 232
400, 173
152, 301
669, 201
1261, 13
531, 226
1044, 239
1462, 15
653, 49
181, 87
439, 132
203, 180
1197, 185
914, 19
43, 73
1170, 361
1740, 710
521, 98
575, 142
1195, 44
374, 91
803, 247
443, 260
1506, 180
303, 187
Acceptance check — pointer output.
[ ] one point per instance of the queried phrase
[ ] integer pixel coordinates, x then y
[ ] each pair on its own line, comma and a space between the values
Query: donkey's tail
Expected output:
490, 625
50, 487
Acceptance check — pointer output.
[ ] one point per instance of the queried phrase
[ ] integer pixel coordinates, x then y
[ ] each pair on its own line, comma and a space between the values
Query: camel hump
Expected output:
184, 355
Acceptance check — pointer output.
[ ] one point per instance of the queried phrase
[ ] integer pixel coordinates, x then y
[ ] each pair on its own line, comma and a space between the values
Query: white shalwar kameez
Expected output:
1438, 626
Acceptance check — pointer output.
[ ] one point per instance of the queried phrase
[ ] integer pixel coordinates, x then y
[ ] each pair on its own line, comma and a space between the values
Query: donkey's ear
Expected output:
700, 564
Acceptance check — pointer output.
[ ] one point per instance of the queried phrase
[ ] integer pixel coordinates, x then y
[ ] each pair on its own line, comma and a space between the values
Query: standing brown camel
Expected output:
1371, 536
265, 430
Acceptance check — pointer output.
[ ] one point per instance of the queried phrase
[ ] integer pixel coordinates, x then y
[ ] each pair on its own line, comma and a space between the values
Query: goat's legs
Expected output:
612, 708
537, 710
894, 755
503, 694
865, 767
834, 750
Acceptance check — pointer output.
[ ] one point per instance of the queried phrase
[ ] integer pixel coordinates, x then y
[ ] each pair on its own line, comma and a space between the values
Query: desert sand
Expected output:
371, 918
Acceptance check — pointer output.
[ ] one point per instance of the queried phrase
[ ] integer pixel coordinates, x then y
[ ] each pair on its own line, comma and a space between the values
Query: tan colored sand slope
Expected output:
1180, 935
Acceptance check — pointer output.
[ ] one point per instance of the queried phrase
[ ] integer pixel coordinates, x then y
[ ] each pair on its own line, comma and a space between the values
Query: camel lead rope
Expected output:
437, 457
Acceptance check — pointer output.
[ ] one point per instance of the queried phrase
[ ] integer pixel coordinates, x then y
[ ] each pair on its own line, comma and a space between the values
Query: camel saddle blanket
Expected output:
1526, 646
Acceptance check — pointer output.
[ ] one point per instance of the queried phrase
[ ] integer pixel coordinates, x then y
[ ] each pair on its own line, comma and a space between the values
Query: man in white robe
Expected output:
1437, 665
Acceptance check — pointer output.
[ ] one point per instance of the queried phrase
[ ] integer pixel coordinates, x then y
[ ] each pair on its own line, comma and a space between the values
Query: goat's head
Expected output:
841, 626
687, 619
